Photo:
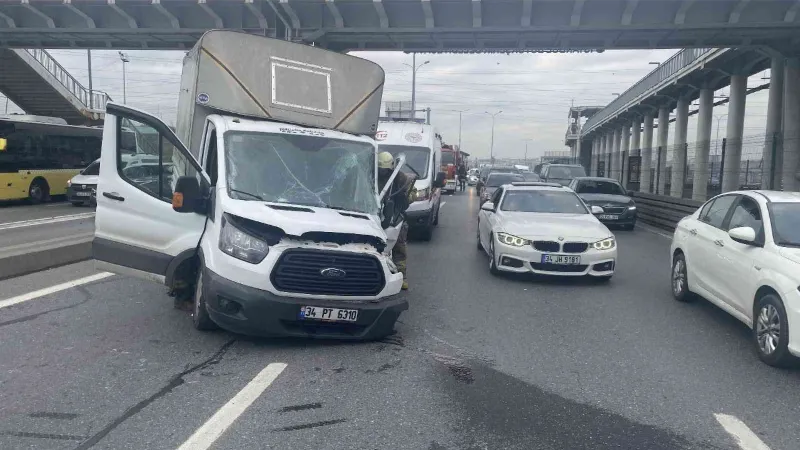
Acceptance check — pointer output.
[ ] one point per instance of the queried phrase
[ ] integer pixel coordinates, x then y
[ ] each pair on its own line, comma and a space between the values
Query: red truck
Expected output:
451, 159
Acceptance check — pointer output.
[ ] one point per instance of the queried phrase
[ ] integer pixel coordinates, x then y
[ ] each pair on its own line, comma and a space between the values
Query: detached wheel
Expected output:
680, 283
38, 191
200, 317
493, 263
771, 331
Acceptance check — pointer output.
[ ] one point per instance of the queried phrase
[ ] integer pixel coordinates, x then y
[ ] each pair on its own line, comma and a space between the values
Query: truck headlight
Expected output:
69, 183
423, 194
510, 239
605, 244
241, 245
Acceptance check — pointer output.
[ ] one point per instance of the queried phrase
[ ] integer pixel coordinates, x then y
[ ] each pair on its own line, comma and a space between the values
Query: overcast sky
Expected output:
534, 91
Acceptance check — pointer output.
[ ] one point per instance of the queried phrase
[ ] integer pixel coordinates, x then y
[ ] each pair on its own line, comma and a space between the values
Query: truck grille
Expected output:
301, 271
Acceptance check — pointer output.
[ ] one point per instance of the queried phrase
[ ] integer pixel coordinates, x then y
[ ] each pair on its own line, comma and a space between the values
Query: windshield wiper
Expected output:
257, 197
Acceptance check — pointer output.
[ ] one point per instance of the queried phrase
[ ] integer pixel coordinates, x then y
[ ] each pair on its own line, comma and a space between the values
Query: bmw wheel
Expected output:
493, 263
771, 331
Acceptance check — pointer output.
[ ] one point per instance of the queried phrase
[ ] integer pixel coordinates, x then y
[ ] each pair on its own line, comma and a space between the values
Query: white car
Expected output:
81, 186
545, 228
741, 251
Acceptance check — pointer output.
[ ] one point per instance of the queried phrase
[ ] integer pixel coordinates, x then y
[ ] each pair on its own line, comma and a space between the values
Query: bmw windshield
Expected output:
301, 170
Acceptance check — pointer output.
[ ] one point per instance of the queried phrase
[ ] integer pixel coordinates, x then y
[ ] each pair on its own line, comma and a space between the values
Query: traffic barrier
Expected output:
37, 256
663, 211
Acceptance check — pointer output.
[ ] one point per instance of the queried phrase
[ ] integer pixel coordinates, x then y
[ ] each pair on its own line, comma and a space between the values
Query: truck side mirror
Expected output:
187, 198
439, 181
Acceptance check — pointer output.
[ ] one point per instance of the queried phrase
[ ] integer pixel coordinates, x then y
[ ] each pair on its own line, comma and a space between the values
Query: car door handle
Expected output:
113, 196
719, 243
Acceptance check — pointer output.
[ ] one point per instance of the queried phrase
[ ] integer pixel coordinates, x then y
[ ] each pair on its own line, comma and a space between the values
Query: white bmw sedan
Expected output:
545, 228
741, 251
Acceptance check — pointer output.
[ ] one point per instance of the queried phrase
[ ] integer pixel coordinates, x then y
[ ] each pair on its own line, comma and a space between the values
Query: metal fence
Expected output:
760, 155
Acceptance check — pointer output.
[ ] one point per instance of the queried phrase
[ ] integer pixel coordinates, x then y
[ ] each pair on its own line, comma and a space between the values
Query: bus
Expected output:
38, 155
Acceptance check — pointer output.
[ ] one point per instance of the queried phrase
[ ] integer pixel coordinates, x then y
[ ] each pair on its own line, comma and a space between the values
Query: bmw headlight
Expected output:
510, 239
241, 245
605, 244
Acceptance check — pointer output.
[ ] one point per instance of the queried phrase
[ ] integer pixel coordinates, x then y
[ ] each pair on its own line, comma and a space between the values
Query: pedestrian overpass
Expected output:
37, 83
407, 25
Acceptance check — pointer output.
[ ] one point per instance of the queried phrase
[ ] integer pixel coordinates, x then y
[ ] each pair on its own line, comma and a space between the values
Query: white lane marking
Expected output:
52, 289
45, 221
443, 203
653, 230
209, 432
746, 439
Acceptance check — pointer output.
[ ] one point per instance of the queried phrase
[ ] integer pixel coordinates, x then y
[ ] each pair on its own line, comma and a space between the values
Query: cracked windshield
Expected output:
400, 224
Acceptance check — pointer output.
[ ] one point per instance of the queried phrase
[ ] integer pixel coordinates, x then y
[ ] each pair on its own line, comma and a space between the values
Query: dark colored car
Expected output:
561, 173
619, 209
530, 176
486, 171
497, 179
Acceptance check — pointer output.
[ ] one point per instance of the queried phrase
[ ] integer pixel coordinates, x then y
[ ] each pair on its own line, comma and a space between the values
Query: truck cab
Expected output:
265, 211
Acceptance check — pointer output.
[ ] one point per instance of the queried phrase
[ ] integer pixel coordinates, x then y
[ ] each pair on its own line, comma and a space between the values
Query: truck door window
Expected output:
150, 161
211, 159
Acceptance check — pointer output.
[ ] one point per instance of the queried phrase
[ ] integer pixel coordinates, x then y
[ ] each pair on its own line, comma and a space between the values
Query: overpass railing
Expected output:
95, 101
663, 72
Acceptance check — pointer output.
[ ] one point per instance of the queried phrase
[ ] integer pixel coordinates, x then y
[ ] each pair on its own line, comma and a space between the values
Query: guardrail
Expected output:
662, 211
664, 71
95, 101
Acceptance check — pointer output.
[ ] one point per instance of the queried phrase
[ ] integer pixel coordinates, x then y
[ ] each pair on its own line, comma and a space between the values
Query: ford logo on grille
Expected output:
332, 272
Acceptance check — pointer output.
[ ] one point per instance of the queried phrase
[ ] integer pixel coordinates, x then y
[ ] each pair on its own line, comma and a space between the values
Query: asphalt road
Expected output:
27, 227
478, 362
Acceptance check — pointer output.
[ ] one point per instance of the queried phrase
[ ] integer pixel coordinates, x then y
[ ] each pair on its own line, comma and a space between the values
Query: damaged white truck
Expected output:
265, 208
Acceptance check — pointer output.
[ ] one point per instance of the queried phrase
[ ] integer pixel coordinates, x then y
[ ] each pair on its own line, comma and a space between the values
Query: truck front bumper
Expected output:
247, 310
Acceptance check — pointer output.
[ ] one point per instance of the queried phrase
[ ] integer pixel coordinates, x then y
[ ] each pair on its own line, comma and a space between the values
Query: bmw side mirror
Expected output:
187, 197
597, 210
439, 181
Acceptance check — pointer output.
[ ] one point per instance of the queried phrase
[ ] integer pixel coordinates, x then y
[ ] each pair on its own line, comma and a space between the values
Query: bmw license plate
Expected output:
328, 314
607, 217
561, 259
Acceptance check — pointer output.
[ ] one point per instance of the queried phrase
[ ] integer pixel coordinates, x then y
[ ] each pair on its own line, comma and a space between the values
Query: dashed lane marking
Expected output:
45, 221
209, 432
745, 438
52, 289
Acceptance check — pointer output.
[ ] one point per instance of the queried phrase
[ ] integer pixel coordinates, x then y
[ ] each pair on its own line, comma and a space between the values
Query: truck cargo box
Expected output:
236, 73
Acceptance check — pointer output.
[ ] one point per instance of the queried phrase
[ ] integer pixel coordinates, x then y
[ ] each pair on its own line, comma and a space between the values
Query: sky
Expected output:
533, 90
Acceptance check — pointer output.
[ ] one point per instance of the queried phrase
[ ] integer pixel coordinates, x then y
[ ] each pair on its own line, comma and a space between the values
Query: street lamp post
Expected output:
414, 68
526, 150
124, 58
459, 126
718, 119
491, 147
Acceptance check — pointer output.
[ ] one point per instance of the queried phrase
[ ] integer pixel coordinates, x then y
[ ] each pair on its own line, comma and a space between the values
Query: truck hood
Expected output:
604, 199
296, 220
552, 226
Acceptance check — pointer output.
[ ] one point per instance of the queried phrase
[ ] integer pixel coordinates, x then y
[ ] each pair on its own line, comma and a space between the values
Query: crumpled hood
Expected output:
602, 199
551, 226
85, 179
296, 223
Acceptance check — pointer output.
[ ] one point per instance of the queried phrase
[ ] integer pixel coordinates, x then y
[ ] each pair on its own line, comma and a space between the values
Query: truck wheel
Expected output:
38, 191
200, 317
436, 218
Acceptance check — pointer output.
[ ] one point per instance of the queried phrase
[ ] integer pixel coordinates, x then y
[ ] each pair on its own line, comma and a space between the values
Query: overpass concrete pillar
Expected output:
703, 143
592, 158
679, 153
733, 144
634, 149
661, 153
770, 178
577, 157
610, 151
791, 125
647, 153
614, 156
623, 152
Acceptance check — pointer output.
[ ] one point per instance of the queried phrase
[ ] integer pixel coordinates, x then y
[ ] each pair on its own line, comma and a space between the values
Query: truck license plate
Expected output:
328, 314
561, 259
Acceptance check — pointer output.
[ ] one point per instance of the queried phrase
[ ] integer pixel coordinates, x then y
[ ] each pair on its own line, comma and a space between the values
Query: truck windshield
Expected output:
416, 157
448, 158
301, 170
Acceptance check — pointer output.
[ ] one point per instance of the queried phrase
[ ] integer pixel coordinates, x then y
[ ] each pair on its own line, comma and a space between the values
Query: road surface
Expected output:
478, 362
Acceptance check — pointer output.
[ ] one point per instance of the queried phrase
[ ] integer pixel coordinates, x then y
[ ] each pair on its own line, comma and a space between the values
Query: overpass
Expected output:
37, 83
618, 140
407, 25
